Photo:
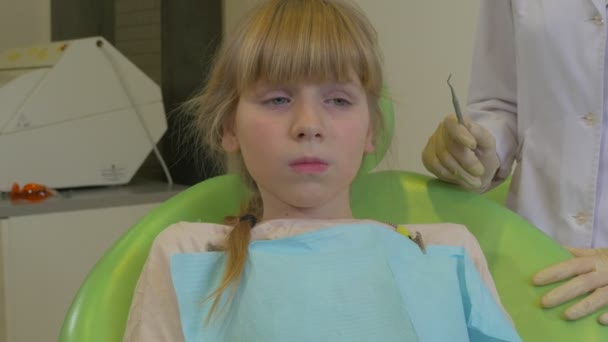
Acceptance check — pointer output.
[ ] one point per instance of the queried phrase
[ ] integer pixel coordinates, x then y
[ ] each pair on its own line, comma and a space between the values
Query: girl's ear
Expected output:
230, 142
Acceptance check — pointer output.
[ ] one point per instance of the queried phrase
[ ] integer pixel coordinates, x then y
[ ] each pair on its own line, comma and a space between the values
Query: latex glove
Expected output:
462, 154
590, 272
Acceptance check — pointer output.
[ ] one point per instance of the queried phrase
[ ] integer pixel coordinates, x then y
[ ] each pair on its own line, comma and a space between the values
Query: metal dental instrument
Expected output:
455, 103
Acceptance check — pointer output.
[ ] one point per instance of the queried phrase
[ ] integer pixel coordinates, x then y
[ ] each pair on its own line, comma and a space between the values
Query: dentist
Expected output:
538, 100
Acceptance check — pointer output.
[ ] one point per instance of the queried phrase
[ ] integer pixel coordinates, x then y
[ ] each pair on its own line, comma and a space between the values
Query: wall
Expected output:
423, 42
24, 22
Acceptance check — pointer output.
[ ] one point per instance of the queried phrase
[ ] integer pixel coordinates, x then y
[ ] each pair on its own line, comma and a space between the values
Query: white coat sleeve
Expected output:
492, 98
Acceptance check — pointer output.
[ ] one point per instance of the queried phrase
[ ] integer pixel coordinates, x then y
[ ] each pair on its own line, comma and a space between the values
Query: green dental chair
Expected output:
515, 250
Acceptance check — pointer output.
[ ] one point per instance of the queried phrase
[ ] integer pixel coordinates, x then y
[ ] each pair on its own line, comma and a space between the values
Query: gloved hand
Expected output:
590, 272
462, 154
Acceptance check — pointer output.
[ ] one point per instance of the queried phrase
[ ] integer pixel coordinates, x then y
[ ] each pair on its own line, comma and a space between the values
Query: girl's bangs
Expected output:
308, 41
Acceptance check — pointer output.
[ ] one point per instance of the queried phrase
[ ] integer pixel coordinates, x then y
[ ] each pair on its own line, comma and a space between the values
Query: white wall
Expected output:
24, 22
423, 42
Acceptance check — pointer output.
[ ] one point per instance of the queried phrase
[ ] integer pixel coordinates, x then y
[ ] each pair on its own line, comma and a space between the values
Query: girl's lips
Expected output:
309, 165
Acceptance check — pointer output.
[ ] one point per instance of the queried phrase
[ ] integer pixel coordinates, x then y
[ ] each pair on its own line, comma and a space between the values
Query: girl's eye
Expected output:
277, 101
340, 102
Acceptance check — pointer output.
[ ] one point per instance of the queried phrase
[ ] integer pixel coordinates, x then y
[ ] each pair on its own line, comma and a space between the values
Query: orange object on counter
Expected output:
30, 192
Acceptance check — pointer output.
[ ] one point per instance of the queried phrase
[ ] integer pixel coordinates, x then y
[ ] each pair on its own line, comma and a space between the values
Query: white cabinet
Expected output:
3, 330
46, 256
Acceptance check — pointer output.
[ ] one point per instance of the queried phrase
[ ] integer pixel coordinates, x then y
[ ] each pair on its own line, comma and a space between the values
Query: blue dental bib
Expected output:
356, 282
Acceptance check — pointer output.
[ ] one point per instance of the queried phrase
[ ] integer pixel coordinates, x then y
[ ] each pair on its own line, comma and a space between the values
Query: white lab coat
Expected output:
537, 85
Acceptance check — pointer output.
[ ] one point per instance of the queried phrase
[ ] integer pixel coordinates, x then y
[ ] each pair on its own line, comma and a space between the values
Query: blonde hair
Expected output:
282, 41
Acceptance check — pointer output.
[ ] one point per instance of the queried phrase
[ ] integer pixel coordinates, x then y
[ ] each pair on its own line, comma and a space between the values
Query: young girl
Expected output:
293, 99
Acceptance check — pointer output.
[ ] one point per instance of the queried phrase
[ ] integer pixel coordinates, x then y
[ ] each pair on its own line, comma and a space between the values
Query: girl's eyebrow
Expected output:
350, 87
261, 87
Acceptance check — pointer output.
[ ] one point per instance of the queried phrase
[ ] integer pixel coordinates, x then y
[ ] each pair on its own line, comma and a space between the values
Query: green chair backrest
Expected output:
514, 249
500, 193
383, 140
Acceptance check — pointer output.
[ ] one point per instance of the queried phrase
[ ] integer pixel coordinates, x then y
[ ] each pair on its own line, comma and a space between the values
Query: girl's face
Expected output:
303, 144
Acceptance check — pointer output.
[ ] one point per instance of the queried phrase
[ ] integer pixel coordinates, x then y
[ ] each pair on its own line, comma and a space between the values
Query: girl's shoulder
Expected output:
191, 237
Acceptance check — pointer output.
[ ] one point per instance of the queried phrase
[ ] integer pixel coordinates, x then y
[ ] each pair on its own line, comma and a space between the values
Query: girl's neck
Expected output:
334, 209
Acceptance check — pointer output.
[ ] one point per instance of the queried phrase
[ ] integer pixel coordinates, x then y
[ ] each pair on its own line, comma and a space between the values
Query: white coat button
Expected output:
590, 119
581, 218
598, 20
